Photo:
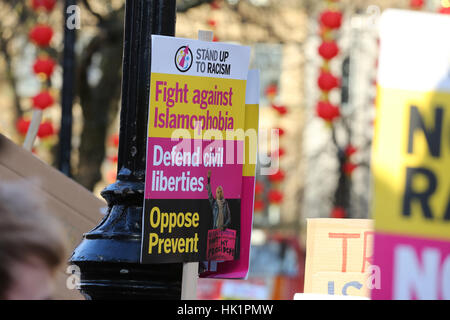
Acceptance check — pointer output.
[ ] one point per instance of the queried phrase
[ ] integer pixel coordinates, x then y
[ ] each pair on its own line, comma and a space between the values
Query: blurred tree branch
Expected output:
185, 5
99, 99
94, 13
12, 19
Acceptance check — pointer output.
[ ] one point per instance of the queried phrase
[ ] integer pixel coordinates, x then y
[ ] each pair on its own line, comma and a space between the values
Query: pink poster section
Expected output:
238, 269
411, 268
178, 169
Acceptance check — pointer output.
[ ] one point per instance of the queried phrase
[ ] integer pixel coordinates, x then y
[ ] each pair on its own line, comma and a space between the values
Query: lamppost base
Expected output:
109, 255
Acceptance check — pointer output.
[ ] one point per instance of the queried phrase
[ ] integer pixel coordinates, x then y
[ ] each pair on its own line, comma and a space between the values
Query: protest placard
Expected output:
339, 256
195, 147
411, 157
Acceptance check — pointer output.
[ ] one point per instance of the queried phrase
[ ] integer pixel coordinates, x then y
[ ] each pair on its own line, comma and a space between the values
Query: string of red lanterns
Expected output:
330, 20
275, 195
259, 204
41, 35
215, 5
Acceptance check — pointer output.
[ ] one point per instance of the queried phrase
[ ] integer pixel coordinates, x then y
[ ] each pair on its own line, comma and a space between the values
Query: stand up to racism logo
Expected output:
183, 58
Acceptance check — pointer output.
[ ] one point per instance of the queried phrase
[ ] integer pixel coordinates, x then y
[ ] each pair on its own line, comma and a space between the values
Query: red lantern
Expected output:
44, 65
327, 81
22, 126
111, 176
327, 111
45, 130
275, 196
48, 5
445, 10
41, 35
114, 140
279, 153
215, 5
215, 39
259, 187
416, 4
281, 132
259, 205
328, 50
280, 109
331, 19
212, 23
338, 213
271, 90
349, 167
113, 159
43, 100
350, 150
277, 177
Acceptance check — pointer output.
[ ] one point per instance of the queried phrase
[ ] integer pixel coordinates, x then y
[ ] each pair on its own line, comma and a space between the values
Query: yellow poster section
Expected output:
191, 99
251, 140
338, 255
391, 160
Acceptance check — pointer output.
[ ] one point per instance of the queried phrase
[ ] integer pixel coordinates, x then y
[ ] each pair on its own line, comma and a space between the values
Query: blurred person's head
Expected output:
31, 245
219, 193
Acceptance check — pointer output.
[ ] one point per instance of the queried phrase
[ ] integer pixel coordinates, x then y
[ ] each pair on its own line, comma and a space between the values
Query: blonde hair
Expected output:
26, 231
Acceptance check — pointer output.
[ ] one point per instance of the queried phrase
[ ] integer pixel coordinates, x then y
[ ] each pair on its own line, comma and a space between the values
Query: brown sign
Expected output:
76, 207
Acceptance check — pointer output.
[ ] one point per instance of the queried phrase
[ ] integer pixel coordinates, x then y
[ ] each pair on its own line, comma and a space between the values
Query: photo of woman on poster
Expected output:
219, 206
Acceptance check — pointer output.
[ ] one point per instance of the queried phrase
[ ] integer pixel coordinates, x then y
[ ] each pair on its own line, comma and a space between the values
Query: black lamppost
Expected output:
108, 256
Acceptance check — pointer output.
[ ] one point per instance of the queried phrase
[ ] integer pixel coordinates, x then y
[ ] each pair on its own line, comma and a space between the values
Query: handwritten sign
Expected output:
339, 256
411, 157
221, 245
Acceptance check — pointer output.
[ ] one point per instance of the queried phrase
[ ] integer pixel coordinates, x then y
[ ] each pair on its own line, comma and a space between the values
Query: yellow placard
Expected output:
338, 256
411, 163
188, 103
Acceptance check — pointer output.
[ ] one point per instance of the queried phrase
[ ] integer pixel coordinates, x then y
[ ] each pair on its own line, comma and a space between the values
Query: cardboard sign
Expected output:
75, 207
338, 256
221, 245
238, 269
411, 157
195, 147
